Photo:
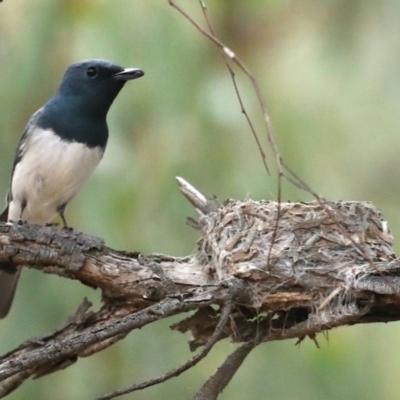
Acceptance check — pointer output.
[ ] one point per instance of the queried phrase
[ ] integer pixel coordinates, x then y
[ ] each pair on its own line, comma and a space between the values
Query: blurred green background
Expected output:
330, 71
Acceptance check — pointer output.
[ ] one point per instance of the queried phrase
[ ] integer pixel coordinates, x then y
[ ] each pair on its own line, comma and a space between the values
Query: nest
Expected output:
300, 255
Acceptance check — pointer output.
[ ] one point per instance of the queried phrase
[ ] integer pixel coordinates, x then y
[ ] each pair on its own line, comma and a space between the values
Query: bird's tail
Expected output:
4, 215
9, 275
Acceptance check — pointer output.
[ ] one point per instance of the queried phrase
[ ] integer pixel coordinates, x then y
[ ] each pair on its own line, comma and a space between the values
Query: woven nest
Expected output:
299, 254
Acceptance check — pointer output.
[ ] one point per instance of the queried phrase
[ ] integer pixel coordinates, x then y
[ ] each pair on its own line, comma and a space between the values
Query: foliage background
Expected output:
330, 73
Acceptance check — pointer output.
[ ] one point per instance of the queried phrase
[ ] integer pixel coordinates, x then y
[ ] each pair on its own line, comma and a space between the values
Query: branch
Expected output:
225, 313
218, 382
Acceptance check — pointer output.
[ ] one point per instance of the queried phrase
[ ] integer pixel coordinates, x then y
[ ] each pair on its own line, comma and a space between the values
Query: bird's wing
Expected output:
23, 142
22, 146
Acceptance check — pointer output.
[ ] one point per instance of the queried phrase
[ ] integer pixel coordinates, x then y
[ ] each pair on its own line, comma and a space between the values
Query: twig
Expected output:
239, 97
225, 313
244, 111
98, 333
218, 382
231, 55
197, 199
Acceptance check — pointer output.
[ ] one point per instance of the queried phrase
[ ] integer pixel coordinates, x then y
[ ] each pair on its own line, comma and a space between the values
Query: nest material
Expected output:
300, 254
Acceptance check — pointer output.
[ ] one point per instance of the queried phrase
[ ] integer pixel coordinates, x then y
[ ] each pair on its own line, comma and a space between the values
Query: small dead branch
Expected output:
197, 199
235, 291
220, 380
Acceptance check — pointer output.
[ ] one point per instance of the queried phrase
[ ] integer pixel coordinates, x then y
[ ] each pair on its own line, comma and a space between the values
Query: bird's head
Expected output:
93, 85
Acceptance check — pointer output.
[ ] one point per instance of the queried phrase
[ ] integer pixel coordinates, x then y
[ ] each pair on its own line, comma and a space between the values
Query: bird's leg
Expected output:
23, 206
61, 211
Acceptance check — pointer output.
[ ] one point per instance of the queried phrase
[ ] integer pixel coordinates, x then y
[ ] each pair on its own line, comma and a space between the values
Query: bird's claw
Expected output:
51, 224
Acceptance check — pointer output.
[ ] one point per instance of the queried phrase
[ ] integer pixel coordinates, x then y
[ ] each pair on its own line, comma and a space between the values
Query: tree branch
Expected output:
310, 278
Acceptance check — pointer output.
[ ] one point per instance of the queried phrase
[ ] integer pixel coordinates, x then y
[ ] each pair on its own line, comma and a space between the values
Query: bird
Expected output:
62, 144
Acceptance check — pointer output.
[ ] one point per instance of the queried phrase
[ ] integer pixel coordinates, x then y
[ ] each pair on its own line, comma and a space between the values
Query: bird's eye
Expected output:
91, 72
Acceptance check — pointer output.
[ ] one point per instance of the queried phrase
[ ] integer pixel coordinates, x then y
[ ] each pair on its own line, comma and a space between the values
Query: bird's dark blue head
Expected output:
94, 84
78, 110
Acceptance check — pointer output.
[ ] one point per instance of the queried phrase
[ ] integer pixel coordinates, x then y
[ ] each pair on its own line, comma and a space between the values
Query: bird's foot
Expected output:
20, 222
67, 228
51, 224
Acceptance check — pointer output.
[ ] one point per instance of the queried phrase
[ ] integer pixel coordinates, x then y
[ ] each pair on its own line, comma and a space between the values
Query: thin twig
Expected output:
225, 313
244, 111
277, 219
197, 199
239, 97
224, 374
98, 333
231, 55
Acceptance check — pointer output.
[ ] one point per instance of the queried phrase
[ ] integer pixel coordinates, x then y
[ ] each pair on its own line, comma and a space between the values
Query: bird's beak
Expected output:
128, 74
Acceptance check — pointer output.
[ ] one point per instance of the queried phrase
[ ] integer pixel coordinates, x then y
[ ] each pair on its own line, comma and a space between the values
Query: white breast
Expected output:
50, 174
